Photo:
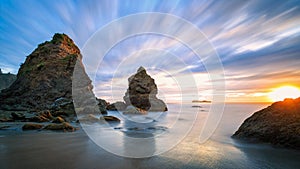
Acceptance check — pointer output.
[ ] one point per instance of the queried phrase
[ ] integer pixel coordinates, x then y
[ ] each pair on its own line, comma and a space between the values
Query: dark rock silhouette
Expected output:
116, 106
6, 79
278, 124
142, 92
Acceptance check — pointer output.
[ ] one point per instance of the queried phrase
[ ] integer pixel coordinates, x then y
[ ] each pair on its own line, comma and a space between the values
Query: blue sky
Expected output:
258, 41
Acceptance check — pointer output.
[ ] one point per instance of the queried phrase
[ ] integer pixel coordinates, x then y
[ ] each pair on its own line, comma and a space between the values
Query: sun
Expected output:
279, 94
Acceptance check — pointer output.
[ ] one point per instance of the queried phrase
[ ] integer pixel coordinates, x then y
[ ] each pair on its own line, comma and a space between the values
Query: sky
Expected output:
258, 43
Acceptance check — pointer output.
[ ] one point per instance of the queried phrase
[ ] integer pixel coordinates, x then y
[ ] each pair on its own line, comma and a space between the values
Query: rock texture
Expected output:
278, 124
32, 126
6, 79
44, 81
60, 127
45, 76
142, 92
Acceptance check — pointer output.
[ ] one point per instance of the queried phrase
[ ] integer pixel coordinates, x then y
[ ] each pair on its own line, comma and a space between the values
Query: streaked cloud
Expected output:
258, 42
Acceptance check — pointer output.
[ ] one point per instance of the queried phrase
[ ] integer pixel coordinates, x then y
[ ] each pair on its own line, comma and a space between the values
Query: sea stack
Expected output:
44, 81
278, 124
142, 92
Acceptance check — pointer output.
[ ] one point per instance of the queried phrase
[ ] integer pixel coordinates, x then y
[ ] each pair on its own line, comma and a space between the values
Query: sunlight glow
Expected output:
279, 94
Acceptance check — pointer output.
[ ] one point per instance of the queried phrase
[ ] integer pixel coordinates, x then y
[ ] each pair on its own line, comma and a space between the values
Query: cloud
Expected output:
257, 41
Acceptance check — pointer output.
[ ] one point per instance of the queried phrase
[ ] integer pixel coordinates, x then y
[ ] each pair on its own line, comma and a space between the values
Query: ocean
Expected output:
164, 140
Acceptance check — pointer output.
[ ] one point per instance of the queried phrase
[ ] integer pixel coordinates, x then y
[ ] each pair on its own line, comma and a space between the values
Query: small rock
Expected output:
47, 114
39, 119
110, 118
197, 106
90, 118
4, 127
133, 110
102, 110
59, 113
5, 119
134, 128
116, 106
58, 120
32, 126
18, 116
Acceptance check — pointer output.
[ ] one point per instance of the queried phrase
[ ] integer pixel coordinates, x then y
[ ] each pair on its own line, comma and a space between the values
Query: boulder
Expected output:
32, 126
63, 127
278, 124
142, 92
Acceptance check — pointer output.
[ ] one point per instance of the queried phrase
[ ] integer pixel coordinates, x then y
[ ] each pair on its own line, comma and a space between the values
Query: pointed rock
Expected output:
45, 77
142, 92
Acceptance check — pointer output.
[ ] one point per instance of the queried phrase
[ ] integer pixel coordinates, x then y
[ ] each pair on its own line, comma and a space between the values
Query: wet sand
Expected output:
48, 149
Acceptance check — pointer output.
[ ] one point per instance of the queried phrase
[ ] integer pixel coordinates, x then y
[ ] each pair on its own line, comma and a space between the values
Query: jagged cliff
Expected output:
45, 78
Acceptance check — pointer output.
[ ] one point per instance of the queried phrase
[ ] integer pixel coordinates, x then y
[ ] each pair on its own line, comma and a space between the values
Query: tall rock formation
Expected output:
142, 92
45, 79
6, 79
278, 124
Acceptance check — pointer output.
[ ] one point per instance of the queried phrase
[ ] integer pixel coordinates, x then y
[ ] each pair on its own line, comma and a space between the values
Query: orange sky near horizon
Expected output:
264, 97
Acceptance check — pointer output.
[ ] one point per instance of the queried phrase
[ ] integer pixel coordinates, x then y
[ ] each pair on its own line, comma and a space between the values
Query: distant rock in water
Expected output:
278, 124
44, 81
142, 92
6, 79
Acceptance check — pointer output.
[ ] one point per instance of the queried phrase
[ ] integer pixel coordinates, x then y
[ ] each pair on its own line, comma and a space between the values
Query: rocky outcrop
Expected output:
45, 76
6, 79
278, 124
45, 80
142, 92
32, 126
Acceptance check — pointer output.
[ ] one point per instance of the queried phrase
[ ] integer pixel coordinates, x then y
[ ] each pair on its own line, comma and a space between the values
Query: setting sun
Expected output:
281, 93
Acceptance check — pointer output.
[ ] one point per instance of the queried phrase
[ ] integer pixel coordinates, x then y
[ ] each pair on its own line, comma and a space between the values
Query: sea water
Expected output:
81, 150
